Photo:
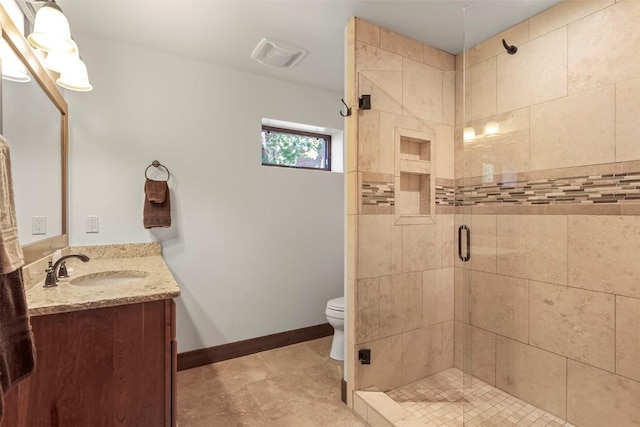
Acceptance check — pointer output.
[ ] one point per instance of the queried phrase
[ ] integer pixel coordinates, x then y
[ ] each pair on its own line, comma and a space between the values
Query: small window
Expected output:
295, 149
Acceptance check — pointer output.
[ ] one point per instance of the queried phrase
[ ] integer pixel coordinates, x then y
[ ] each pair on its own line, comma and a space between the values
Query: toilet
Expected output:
335, 317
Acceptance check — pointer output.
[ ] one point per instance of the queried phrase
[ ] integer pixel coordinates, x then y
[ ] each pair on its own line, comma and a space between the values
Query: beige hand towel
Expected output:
11, 257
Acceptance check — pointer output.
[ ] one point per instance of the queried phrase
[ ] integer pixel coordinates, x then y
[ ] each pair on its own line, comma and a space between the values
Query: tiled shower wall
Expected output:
400, 286
550, 301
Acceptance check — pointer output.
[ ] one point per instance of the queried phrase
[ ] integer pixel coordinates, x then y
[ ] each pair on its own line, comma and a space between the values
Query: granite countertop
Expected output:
159, 284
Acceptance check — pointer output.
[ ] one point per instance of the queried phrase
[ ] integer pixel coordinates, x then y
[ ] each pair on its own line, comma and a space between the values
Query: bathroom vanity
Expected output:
106, 351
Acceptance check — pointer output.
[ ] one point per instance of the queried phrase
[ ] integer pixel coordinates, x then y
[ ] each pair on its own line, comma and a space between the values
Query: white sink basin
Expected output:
109, 278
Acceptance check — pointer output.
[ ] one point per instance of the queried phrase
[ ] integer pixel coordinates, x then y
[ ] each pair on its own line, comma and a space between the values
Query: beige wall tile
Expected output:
421, 247
385, 88
437, 296
628, 337
350, 30
386, 158
573, 322
597, 398
534, 375
592, 60
627, 113
369, 141
375, 59
400, 303
449, 98
574, 131
446, 224
438, 58
537, 73
351, 136
603, 253
481, 87
484, 243
352, 247
447, 344
562, 14
516, 35
503, 154
444, 152
421, 353
367, 32
459, 344
402, 45
459, 97
385, 370
353, 193
421, 91
462, 294
368, 310
351, 312
533, 247
483, 355
375, 245
500, 304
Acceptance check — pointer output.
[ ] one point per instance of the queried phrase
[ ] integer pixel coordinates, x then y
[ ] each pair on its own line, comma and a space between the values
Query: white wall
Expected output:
256, 250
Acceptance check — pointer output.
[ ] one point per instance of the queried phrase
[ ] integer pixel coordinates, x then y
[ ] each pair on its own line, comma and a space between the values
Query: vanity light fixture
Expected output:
58, 61
12, 69
75, 77
51, 31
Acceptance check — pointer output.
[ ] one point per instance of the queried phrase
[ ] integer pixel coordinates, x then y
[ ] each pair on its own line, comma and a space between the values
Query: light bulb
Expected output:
469, 134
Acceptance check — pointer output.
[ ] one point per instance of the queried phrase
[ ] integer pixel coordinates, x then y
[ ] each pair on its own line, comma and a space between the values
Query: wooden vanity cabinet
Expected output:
111, 366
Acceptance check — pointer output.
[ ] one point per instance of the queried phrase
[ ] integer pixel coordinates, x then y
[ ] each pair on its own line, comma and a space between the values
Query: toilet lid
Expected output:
336, 304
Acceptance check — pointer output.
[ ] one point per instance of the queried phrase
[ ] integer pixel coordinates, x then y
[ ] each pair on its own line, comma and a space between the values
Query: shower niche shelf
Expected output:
414, 177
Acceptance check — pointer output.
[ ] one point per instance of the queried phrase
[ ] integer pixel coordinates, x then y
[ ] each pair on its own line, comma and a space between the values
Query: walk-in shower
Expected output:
493, 223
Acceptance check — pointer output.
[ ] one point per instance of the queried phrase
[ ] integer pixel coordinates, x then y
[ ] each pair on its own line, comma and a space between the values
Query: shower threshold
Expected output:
441, 400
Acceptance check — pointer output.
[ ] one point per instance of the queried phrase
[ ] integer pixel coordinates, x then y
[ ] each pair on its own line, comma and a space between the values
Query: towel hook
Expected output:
348, 109
157, 164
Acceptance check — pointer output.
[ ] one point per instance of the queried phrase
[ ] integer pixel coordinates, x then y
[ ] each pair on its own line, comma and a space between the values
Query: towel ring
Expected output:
157, 164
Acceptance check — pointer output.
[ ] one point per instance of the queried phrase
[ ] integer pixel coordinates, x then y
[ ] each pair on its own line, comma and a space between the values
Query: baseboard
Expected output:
343, 391
205, 356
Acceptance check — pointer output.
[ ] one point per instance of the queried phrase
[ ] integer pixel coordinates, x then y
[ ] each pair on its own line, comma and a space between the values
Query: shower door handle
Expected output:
466, 257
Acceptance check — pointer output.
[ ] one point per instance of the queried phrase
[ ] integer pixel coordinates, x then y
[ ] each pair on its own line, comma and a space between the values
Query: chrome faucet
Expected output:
52, 269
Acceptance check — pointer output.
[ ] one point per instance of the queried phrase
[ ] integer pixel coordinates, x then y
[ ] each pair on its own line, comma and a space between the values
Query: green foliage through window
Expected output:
284, 147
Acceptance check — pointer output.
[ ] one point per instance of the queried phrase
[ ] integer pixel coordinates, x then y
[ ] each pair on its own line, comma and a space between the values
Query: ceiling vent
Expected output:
278, 54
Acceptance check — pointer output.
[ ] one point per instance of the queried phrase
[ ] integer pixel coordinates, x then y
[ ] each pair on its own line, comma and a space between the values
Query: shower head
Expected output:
511, 50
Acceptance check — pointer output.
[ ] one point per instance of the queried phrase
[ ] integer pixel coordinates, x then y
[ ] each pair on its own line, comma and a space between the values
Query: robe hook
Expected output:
348, 109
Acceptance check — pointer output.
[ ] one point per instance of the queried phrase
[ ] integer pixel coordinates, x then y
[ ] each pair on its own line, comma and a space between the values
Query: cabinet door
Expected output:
101, 367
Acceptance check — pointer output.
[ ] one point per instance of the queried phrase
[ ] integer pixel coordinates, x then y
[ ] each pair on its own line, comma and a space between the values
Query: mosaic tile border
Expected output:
445, 195
383, 194
622, 188
580, 191
378, 194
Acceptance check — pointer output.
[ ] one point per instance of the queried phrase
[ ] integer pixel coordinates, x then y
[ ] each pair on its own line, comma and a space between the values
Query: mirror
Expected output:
34, 121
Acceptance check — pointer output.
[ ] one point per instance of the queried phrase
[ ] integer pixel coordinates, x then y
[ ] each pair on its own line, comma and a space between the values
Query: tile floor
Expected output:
438, 401
297, 386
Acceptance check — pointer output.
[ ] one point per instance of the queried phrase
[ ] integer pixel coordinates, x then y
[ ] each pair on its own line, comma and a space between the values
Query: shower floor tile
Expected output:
439, 400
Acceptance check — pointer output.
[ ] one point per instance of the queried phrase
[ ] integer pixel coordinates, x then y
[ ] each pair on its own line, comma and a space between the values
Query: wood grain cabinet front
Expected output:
111, 366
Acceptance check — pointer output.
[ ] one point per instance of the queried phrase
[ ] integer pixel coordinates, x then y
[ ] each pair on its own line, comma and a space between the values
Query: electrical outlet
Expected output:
39, 225
92, 224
